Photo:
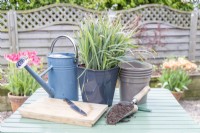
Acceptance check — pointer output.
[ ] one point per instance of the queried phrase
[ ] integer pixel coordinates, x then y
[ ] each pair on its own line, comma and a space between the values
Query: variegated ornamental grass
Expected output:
103, 43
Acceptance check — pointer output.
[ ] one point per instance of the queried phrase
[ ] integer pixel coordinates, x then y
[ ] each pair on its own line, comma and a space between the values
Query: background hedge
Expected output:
93, 4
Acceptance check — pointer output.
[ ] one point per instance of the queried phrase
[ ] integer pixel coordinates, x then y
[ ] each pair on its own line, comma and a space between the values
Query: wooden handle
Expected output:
140, 95
135, 109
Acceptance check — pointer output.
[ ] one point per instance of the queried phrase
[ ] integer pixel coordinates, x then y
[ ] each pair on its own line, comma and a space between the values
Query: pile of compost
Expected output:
118, 112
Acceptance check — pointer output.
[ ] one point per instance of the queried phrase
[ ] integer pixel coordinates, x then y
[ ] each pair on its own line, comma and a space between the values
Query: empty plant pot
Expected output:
135, 66
133, 79
135, 75
129, 87
98, 86
134, 72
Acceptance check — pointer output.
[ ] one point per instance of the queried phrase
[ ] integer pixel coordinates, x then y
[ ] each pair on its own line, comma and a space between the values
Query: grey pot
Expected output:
129, 87
135, 66
133, 79
135, 75
134, 72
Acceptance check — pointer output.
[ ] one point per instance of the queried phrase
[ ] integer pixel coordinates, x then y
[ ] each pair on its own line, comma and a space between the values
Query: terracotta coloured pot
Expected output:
16, 101
177, 95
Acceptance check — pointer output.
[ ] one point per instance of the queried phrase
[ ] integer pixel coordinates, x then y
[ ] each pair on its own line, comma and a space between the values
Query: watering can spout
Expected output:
22, 63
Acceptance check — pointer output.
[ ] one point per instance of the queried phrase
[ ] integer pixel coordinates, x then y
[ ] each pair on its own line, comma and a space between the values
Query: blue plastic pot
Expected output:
98, 86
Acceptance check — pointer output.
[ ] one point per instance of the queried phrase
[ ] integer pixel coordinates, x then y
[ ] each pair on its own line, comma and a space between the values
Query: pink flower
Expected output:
31, 55
12, 57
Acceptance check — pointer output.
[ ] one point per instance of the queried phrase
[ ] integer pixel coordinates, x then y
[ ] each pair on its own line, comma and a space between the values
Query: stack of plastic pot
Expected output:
134, 76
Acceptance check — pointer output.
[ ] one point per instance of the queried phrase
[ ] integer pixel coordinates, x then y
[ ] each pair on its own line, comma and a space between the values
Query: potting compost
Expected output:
124, 109
118, 112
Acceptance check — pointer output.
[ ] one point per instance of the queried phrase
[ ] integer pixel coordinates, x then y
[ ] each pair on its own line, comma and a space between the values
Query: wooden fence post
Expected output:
193, 34
12, 31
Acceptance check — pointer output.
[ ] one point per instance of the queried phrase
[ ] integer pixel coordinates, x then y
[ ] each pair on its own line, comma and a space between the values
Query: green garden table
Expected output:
167, 116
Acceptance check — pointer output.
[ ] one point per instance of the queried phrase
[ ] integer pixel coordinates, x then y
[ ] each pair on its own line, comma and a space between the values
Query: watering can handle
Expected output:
71, 40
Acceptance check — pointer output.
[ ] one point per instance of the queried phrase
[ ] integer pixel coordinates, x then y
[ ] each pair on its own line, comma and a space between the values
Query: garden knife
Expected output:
74, 107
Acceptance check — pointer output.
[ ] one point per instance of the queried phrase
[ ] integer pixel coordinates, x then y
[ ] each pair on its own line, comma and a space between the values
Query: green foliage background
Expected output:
93, 4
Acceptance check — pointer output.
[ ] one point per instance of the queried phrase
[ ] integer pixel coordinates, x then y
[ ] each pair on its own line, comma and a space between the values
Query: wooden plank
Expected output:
198, 45
134, 121
162, 32
42, 43
4, 35
198, 32
57, 110
35, 130
4, 44
164, 38
2, 53
178, 112
138, 118
197, 40
167, 39
42, 130
168, 54
172, 47
135, 125
12, 30
60, 28
162, 102
197, 52
44, 34
104, 126
193, 33
46, 51
156, 25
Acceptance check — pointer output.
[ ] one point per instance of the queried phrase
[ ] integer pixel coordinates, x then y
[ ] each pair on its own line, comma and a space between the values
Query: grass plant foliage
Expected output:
103, 43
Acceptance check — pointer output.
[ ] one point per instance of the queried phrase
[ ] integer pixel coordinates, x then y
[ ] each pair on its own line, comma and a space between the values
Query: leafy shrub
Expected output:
93, 4
175, 79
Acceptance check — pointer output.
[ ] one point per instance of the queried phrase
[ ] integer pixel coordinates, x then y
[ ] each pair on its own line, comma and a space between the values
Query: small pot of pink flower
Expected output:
19, 82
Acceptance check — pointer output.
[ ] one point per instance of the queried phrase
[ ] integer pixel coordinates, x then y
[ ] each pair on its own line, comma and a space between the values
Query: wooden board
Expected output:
57, 110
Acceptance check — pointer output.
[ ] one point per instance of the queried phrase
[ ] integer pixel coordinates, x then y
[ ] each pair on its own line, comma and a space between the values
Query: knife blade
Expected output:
74, 107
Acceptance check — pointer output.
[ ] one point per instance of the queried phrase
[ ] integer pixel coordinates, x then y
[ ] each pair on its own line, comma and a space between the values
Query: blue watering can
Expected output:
62, 73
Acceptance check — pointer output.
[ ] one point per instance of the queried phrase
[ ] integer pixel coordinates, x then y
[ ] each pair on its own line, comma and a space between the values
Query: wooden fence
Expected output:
170, 32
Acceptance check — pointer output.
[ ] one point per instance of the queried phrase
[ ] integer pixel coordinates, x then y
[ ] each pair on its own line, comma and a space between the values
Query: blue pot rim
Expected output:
117, 67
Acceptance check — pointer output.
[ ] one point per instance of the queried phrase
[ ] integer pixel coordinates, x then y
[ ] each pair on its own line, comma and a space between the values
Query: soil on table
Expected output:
117, 112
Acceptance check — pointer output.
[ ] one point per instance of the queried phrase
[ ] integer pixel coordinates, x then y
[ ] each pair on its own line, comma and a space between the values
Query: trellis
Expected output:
14, 22
159, 14
71, 14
